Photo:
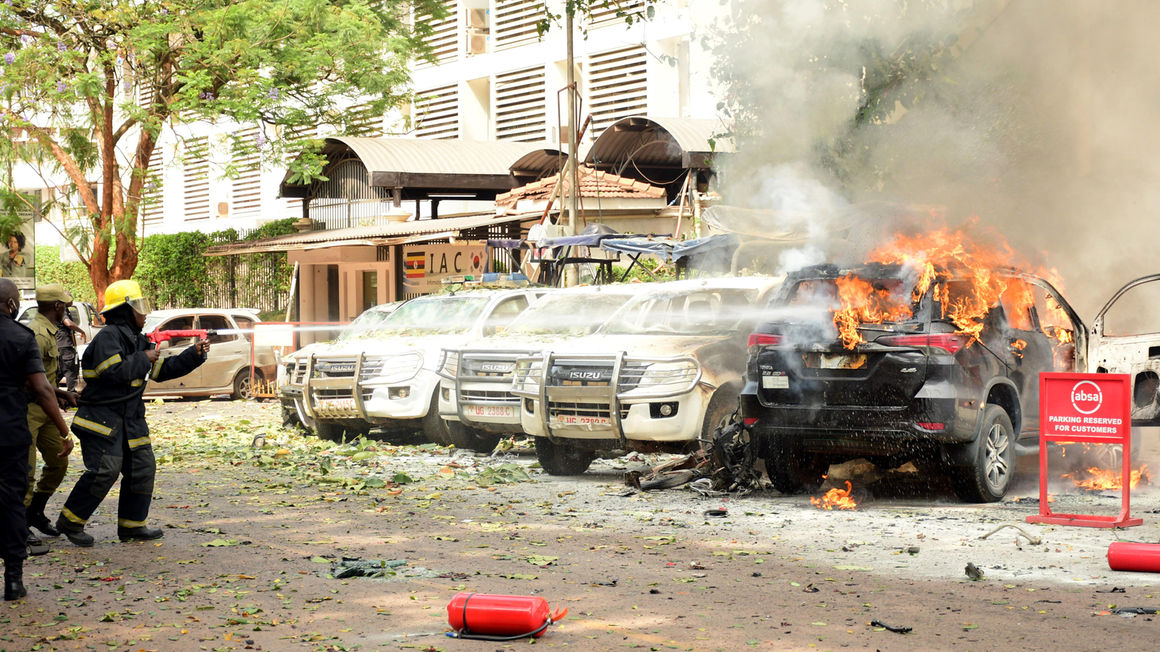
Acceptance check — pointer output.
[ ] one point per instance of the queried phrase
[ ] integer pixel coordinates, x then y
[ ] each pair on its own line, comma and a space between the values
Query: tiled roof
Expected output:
593, 184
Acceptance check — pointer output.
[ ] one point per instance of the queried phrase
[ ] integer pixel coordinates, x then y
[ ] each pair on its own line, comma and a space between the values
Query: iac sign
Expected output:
452, 262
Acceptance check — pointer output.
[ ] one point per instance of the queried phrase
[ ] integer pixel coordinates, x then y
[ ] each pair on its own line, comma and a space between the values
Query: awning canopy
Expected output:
422, 169
385, 234
665, 146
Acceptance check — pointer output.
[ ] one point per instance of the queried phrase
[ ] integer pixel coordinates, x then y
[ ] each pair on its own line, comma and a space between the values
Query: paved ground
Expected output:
259, 519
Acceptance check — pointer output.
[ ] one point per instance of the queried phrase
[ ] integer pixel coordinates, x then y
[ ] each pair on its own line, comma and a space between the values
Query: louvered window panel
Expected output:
292, 136
604, 14
444, 37
247, 186
520, 108
515, 22
617, 86
362, 121
437, 113
197, 179
153, 197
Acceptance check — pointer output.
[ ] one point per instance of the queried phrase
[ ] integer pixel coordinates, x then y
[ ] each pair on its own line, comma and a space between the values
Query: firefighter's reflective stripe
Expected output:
110, 361
136, 383
88, 373
124, 522
93, 426
139, 442
67, 513
156, 368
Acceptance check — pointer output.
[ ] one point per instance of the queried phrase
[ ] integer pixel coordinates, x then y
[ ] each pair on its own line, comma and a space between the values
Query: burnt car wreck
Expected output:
895, 363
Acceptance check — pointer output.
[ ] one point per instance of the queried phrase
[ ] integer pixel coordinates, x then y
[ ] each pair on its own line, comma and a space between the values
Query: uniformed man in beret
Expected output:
52, 301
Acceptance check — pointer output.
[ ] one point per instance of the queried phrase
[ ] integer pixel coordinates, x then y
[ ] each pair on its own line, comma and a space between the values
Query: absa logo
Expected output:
1086, 397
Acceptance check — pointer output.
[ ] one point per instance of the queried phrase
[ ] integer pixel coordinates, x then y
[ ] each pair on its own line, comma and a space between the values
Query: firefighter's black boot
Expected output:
36, 518
139, 533
75, 534
14, 579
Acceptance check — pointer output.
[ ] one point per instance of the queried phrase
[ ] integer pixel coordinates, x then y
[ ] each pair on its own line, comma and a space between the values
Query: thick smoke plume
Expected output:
1038, 116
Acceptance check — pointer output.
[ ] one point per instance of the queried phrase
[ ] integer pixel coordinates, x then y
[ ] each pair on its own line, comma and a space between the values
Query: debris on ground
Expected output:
891, 628
974, 572
365, 567
1033, 540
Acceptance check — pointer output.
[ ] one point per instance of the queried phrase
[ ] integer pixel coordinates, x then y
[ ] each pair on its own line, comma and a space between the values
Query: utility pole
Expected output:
573, 144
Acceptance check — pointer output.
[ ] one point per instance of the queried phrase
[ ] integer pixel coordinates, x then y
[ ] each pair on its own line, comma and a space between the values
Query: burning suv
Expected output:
387, 376
660, 375
897, 362
475, 397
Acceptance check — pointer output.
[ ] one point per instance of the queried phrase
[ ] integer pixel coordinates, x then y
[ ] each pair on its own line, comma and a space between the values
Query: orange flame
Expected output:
836, 499
1098, 479
965, 303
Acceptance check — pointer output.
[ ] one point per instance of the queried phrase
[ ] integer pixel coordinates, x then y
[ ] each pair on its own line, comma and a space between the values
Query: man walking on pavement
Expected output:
20, 366
110, 422
54, 445
67, 344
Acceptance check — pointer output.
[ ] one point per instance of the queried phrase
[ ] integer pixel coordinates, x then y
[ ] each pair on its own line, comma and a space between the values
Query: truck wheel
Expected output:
790, 469
467, 438
243, 387
721, 408
330, 431
434, 427
990, 475
562, 459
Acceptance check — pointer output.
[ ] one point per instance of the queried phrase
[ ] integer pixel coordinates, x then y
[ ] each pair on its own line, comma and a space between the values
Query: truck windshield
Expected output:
570, 315
364, 323
441, 315
700, 312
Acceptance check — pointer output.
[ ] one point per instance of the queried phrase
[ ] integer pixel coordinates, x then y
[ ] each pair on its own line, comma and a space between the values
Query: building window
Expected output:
515, 22
196, 179
520, 108
247, 185
617, 86
153, 196
443, 39
436, 113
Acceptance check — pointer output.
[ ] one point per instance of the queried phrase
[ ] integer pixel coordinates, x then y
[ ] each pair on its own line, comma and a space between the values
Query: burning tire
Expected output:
562, 459
467, 438
990, 475
791, 469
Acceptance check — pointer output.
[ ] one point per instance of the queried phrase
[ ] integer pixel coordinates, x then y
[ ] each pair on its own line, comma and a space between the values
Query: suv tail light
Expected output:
950, 342
759, 340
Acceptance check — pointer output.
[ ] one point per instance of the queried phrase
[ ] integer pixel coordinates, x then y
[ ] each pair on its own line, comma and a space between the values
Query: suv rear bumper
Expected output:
869, 430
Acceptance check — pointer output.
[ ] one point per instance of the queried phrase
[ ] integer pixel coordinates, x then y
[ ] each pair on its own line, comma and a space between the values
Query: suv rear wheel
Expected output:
562, 459
790, 468
989, 476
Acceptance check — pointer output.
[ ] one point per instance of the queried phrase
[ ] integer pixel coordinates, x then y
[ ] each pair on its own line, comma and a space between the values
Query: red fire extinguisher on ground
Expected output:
499, 617
1128, 556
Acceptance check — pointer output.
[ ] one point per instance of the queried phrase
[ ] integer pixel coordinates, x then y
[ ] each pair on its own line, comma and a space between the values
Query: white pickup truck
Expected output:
84, 315
660, 375
475, 398
387, 378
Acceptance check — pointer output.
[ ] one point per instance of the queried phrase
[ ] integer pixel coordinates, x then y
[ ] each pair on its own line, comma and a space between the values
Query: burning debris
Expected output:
836, 499
1094, 478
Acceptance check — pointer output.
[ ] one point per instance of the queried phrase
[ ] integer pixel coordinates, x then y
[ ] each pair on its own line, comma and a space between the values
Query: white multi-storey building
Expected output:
494, 78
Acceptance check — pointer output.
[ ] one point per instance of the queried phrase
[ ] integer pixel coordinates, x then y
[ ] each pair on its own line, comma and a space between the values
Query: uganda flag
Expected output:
415, 263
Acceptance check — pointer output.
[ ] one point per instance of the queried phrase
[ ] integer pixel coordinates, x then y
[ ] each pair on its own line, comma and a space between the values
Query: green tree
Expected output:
88, 87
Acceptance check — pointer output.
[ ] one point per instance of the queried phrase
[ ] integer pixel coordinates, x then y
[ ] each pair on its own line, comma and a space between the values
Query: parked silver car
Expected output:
227, 370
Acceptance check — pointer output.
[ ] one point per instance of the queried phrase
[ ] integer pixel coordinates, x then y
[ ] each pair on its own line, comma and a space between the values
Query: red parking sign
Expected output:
1093, 408
1087, 407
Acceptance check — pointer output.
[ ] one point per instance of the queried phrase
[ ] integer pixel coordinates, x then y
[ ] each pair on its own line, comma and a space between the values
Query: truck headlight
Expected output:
392, 368
667, 377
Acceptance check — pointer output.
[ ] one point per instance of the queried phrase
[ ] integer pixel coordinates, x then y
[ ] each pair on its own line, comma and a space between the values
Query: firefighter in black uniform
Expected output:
20, 367
110, 422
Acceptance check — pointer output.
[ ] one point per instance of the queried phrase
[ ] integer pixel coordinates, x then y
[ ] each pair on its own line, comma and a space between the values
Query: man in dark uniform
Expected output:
51, 302
20, 366
110, 422
66, 343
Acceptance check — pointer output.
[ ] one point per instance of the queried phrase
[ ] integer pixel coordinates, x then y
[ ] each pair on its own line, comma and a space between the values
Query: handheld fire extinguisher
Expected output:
487, 617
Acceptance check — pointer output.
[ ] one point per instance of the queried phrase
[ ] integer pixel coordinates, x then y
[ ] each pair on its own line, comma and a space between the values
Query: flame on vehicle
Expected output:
836, 499
966, 304
1095, 478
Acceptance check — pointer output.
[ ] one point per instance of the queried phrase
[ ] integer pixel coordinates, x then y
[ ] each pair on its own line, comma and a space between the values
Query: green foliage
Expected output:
73, 275
173, 271
661, 273
286, 66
